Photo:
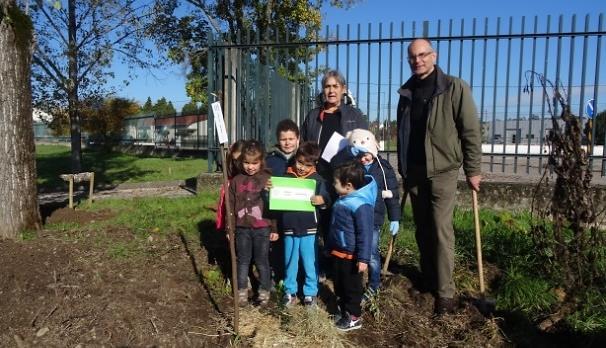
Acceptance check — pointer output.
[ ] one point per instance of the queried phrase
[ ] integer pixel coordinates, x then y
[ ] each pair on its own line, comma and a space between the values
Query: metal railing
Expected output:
492, 55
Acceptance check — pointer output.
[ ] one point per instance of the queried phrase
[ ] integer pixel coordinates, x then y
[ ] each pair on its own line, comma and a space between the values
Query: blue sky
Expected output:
169, 82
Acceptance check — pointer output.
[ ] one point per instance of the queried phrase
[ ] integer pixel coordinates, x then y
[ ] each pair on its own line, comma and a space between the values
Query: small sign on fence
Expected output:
590, 108
219, 122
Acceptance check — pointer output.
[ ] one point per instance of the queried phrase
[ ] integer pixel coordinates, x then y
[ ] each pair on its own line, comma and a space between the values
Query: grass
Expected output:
506, 243
113, 168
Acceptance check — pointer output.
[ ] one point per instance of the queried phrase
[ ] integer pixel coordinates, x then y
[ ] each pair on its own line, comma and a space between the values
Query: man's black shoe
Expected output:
445, 305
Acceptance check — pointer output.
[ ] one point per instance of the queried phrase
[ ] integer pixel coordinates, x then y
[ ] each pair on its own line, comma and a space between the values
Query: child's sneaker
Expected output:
349, 322
310, 301
289, 300
263, 297
243, 297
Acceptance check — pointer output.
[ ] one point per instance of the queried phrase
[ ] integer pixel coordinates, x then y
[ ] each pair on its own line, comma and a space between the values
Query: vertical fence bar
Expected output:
317, 68
583, 69
337, 49
326, 38
387, 141
347, 59
531, 98
238, 92
571, 63
473, 52
518, 131
591, 142
449, 46
506, 108
494, 93
379, 78
543, 97
438, 41
483, 95
558, 80
210, 125
358, 66
306, 85
262, 52
368, 73
595, 88
461, 48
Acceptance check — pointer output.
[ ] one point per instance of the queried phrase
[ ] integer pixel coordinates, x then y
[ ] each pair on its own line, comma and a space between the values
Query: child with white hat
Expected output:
364, 147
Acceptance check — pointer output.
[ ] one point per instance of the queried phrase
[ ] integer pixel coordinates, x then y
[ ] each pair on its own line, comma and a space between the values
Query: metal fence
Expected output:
493, 55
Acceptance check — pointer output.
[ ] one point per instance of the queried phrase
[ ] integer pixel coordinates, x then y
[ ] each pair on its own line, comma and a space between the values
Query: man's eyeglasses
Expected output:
421, 56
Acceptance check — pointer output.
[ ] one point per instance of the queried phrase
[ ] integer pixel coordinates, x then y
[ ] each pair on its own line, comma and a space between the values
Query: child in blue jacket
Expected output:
349, 238
364, 148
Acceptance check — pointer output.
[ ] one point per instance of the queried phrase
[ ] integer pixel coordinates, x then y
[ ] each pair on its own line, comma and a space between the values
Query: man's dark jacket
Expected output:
453, 134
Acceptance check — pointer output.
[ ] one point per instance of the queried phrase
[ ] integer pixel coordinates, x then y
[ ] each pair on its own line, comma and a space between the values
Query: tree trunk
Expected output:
18, 196
72, 91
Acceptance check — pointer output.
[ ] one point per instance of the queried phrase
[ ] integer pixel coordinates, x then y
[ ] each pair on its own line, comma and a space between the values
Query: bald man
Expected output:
438, 132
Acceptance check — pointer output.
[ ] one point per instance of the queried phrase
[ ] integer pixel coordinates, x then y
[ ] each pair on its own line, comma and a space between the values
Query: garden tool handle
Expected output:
476, 218
388, 256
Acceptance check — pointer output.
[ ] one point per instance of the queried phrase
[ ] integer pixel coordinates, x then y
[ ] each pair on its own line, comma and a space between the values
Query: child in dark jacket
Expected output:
253, 230
364, 148
299, 229
287, 137
277, 161
350, 237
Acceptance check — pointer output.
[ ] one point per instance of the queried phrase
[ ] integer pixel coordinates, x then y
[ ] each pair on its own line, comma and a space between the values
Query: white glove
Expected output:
394, 227
356, 150
386, 194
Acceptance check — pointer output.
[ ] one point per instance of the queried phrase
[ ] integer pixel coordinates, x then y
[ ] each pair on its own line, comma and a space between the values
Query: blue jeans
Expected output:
374, 266
304, 247
253, 244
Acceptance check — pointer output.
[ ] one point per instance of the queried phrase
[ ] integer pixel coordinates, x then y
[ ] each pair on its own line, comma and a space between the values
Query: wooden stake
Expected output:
393, 238
71, 192
476, 218
91, 188
229, 223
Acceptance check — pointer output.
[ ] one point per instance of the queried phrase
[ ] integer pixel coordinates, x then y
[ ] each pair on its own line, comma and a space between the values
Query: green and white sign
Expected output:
291, 194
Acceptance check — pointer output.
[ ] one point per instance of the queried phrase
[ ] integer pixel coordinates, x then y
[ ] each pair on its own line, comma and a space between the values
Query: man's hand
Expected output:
362, 266
474, 182
317, 200
273, 236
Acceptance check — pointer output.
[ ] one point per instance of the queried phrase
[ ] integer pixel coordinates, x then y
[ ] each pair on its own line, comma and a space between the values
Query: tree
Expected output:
76, 46
190, 108
148, 107
164, 108
102, 119
184, 37
18, 194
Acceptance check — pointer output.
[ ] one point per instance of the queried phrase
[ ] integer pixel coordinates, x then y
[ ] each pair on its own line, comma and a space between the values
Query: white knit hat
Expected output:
364, 138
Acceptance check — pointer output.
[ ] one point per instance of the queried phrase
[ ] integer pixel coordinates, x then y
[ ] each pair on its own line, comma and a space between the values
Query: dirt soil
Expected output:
66, 289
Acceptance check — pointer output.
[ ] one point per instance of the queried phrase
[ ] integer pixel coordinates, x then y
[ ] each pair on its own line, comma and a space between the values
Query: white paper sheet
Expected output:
335, 144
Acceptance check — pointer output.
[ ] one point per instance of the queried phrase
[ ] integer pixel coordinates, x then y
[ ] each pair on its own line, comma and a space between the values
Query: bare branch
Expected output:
58, 79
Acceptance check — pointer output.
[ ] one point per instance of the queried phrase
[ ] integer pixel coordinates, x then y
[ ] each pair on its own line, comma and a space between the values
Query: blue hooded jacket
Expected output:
352, 222
385, 177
